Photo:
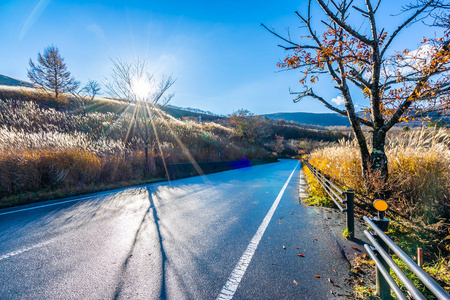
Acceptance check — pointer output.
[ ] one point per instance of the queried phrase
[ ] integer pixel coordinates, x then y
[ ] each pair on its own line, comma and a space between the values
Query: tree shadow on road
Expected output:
151, 211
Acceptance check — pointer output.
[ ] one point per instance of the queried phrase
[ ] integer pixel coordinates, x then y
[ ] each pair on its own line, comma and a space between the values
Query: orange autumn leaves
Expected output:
335, 46
417, 76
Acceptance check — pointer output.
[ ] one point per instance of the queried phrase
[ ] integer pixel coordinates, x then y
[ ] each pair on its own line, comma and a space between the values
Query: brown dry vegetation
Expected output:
46, 149
418, 189
51, 148
419, 167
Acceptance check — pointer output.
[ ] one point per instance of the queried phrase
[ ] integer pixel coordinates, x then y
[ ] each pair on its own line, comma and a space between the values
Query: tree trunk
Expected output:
357, 130
157, 160
378, 158
146, 168
378, 166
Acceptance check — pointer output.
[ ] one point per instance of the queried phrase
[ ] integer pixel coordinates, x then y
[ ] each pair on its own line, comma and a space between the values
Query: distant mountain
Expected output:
6, 80
321, 119
331, 119
196, 110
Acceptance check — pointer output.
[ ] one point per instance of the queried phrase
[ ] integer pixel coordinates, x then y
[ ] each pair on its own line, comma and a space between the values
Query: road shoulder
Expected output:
362, 273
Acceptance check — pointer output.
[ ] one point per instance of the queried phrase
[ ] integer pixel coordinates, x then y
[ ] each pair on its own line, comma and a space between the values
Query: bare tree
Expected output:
50, 73
87, 94
398, 85
133, 82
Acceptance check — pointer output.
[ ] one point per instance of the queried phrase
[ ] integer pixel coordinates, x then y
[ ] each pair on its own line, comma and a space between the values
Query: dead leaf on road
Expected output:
317, 276
332, 283
295, 282
300, 255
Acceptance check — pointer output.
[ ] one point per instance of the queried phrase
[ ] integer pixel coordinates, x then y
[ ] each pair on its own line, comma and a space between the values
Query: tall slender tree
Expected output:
50, 73
357, 56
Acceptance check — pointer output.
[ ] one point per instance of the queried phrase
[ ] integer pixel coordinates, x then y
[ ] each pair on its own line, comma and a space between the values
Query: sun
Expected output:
141, 88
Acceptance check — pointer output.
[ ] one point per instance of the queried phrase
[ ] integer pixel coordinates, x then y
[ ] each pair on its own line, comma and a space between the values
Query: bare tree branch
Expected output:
279, 36
403, 25
414, 94
343, 25
133, 82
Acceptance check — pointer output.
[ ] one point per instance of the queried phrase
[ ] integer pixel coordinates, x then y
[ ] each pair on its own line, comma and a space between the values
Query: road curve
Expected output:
185, 239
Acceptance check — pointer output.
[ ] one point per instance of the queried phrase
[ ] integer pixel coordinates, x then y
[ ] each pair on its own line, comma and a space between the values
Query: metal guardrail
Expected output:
379, 252
338, 196
381, 246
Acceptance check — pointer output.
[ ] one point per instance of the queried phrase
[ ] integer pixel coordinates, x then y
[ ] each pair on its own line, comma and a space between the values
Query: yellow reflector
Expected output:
380, 205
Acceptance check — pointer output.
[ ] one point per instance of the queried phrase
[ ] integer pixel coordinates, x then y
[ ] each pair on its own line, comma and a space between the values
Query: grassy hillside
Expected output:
15, 91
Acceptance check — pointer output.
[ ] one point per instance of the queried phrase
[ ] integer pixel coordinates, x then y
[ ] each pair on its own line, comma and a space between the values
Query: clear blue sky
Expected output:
222, 58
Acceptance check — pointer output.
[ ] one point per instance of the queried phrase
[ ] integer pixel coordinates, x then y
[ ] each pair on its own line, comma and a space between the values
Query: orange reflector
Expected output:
380, 205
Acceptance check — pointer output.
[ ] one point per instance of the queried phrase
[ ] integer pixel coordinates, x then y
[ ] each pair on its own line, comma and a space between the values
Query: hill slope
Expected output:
322, 119
6, 80
11, 88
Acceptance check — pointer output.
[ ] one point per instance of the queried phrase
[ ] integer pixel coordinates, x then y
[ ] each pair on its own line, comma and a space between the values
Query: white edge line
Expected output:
230, 287
26, 249
47, 205
100, 194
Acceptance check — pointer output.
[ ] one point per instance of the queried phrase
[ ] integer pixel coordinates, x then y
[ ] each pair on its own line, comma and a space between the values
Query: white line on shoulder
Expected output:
235, 278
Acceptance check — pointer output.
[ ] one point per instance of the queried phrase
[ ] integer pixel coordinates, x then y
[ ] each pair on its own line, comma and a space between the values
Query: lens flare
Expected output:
142, 88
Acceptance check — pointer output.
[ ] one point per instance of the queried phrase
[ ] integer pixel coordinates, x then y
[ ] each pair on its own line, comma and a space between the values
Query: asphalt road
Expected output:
229, 235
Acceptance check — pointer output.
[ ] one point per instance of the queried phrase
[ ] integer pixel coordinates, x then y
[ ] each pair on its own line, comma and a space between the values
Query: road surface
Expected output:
228, 235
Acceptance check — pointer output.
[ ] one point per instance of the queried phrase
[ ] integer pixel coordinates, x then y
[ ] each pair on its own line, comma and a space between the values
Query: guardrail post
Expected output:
327, 185
350, 200
420, 257
383, 288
